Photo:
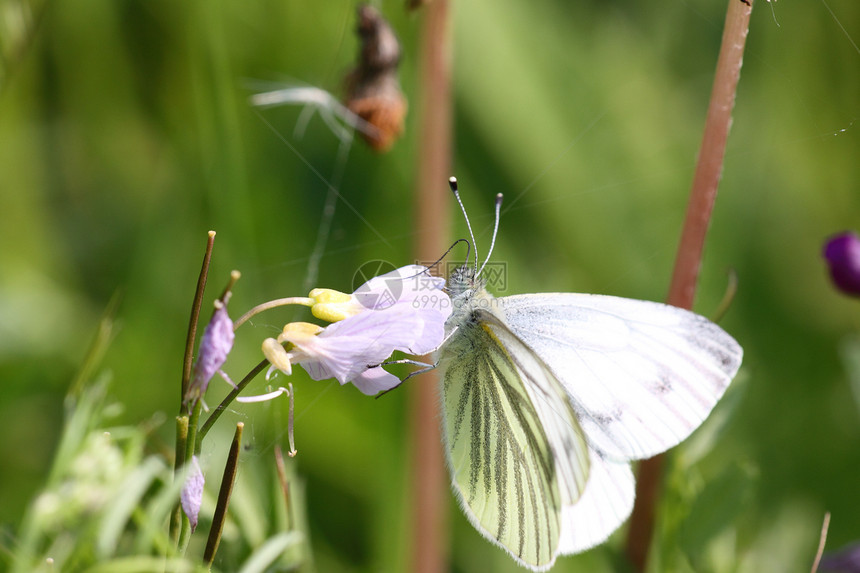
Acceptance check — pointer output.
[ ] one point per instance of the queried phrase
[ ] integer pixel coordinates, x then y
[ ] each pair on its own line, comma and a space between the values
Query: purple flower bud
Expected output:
843, 255
192, 493
215, 345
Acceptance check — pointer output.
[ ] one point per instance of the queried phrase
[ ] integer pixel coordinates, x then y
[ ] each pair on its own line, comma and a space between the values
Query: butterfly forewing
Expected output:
515, 450
641, 375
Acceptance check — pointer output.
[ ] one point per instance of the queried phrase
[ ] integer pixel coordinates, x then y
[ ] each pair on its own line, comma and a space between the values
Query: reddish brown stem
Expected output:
703, 194
431, 214
710, 164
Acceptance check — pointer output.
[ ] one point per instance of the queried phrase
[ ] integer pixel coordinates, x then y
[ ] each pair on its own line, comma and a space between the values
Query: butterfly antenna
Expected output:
495, 231
451, 248
452, 182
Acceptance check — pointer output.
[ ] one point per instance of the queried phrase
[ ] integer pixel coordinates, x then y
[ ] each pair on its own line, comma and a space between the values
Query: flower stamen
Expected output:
301, 300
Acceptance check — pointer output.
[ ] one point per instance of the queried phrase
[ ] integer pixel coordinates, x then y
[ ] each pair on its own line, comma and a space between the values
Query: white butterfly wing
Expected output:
641, 375
550, 400
514, 448
605, 505
610, 490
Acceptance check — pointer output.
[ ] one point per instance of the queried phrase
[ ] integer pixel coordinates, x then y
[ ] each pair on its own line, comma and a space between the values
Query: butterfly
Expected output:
546, 398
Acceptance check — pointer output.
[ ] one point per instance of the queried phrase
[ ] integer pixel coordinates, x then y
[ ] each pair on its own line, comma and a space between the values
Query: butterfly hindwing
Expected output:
605, 505
515, 450
641, 375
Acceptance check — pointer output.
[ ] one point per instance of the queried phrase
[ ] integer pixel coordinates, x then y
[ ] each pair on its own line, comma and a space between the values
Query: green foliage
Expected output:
106, 505
125, 135
95, 495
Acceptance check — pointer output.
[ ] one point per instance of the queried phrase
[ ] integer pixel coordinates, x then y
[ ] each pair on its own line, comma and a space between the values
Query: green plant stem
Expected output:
184, 535
191, 446
300, 300
703, 194
223, 497
228, 399
281, 468
178, 462
226, 293
188, 358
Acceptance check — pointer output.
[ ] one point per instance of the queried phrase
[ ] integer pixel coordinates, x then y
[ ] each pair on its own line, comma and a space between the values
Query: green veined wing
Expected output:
516, 452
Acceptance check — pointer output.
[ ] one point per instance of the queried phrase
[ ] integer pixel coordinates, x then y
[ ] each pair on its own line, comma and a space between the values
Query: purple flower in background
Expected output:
846, 560
192, 493
352, 349
843, 256
215, 345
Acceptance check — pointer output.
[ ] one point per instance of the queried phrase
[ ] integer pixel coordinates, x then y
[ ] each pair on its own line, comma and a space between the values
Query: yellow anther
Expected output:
277, 356
331, 305
298, 331
326, 295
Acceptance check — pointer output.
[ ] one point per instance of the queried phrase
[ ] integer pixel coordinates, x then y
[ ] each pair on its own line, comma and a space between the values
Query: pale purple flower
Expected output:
410, 289
843, 256
396, 311
192, 492
215, 345
846, 560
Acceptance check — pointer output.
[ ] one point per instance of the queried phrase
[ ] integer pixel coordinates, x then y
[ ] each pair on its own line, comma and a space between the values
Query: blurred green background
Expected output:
126, 134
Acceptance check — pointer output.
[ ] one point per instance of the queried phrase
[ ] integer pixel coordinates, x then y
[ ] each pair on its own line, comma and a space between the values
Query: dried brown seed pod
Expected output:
415, 4
373, 88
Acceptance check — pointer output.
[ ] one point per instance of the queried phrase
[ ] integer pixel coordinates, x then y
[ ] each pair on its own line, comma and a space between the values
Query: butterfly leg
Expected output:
424, 368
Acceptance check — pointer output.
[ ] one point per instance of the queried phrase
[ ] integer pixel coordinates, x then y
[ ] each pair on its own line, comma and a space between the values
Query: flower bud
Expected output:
192, 493
215, 345
843, 256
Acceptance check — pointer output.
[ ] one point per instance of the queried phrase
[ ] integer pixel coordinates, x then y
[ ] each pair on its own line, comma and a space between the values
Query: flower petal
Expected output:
432, 333
347, 348
400, 286
375, 380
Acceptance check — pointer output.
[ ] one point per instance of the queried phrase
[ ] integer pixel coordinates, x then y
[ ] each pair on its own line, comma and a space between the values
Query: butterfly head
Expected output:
465, 285
468, 295
462, 281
